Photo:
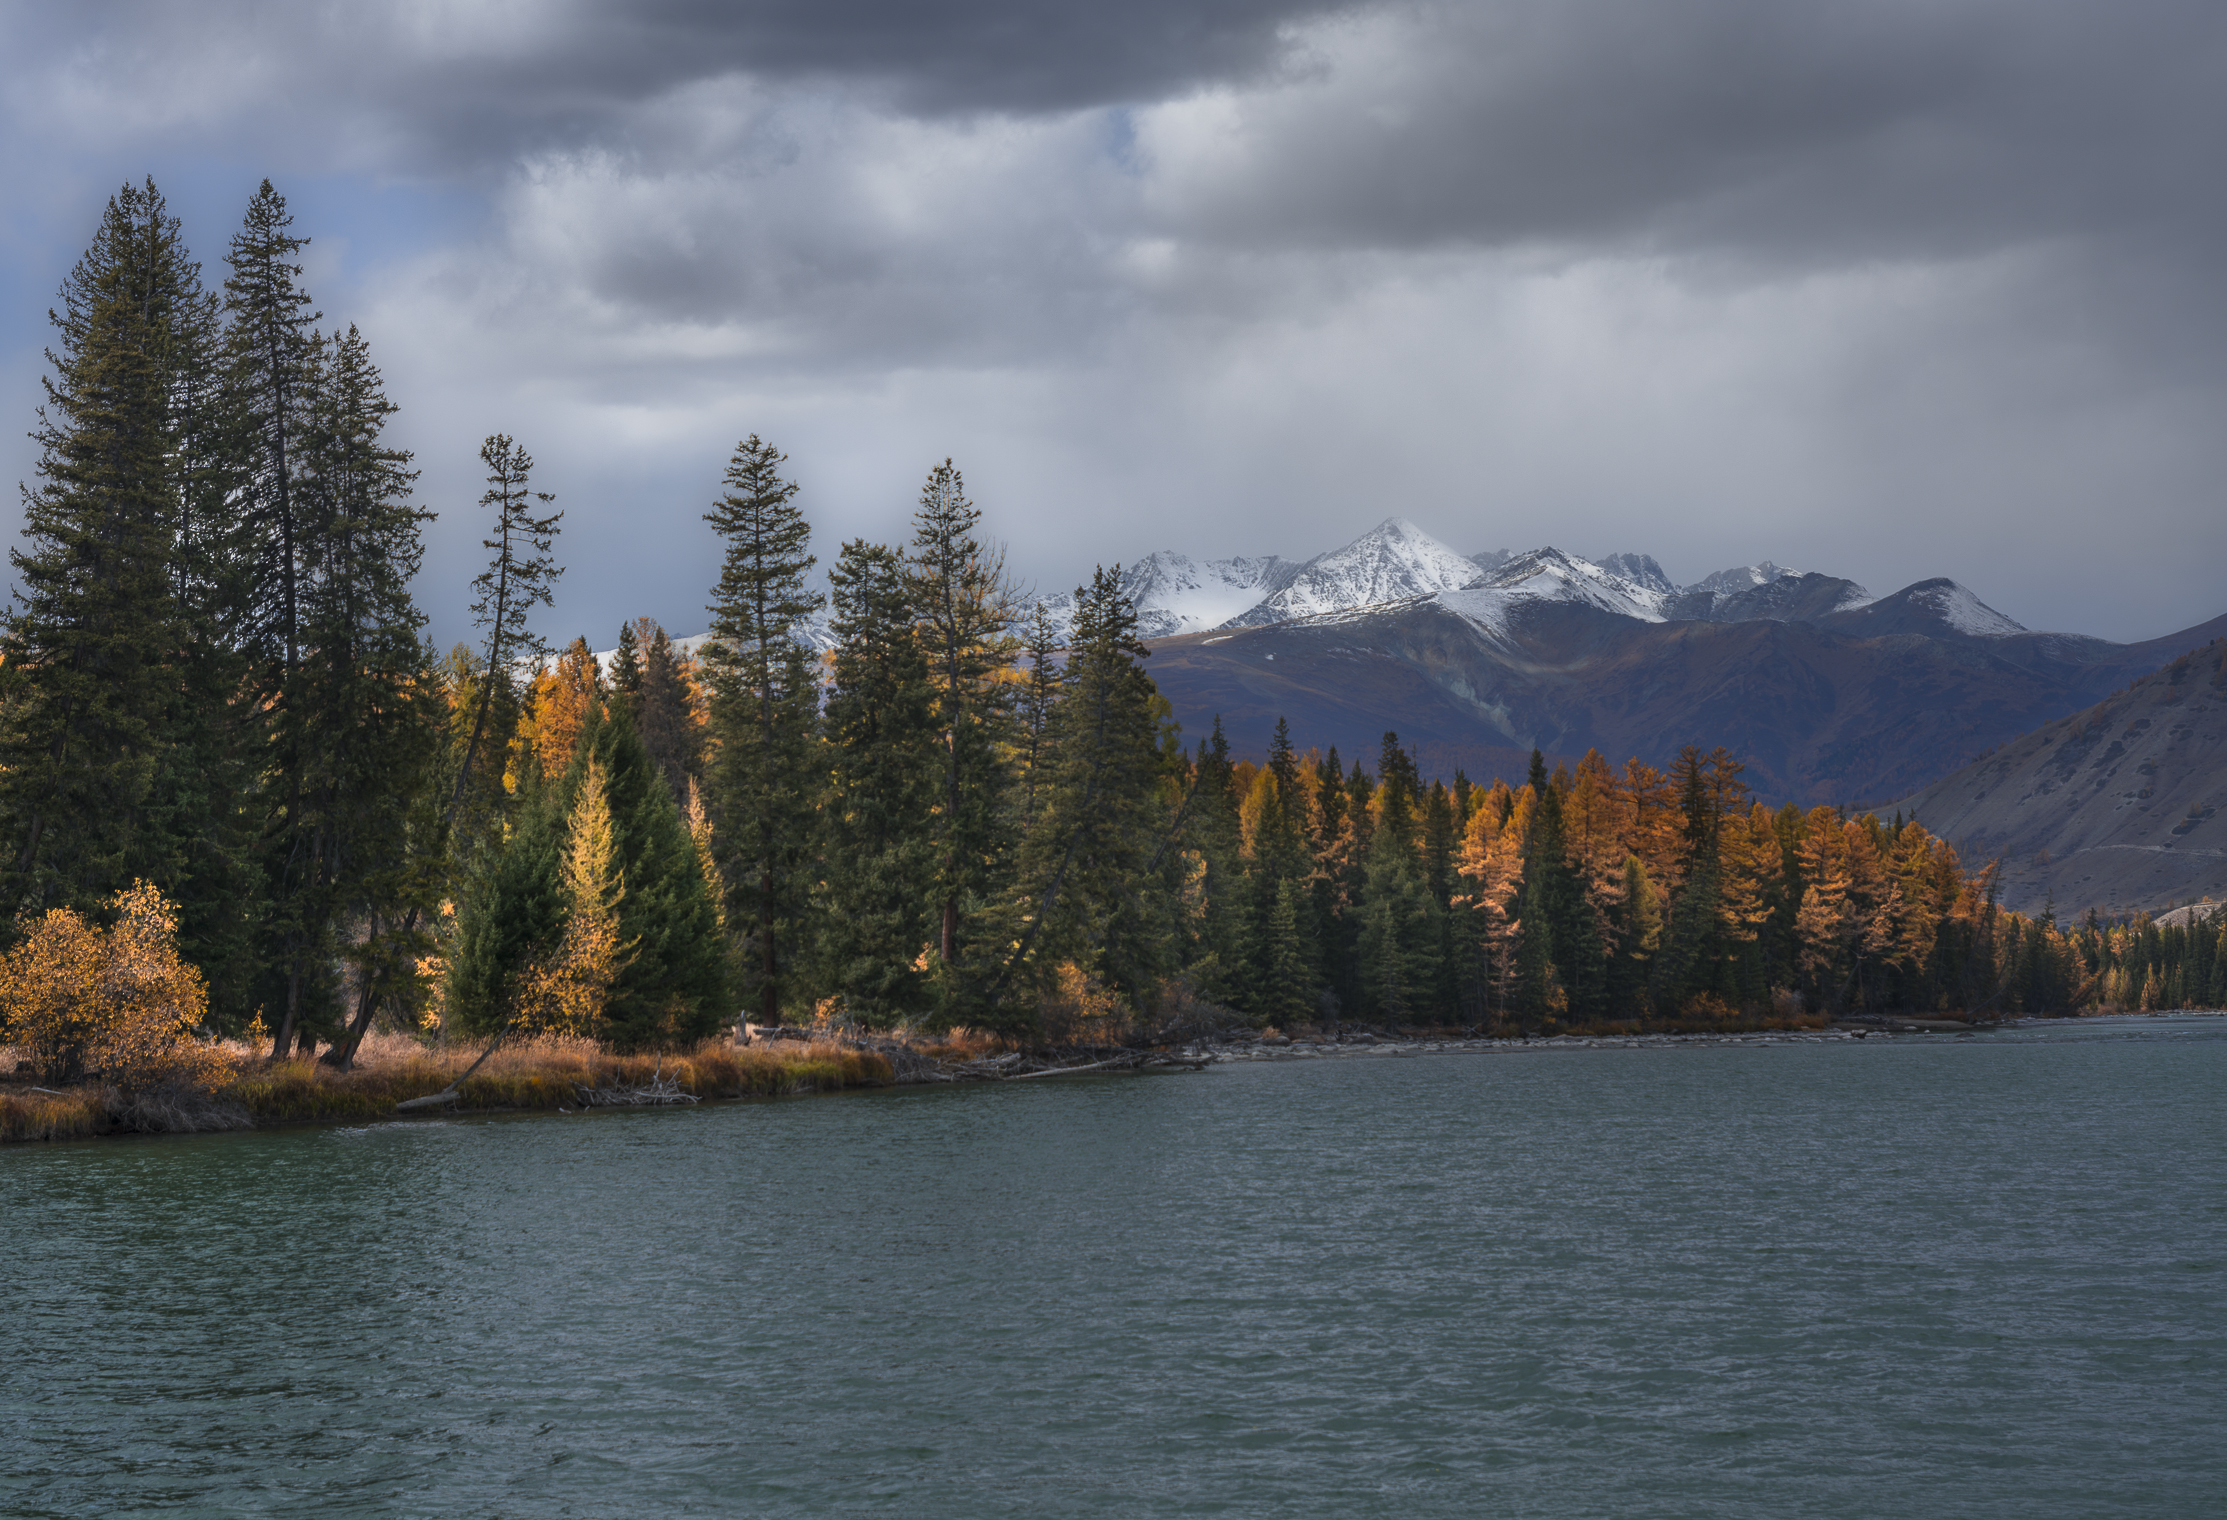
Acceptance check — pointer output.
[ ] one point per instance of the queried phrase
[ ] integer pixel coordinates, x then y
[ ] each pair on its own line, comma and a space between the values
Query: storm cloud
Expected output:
1889, 290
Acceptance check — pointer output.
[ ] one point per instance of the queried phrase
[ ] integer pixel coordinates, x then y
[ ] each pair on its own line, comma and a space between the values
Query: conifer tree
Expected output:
875, 905
673, 988
272, 356
510, 912
764, 713
92, 690
665, 711
521, 576
1222, 950
626, 664
1287, 990
1087, 869
360, 719
1037, 701
965, 607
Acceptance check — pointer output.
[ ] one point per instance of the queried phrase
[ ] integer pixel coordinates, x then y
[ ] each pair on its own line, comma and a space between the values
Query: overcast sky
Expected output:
1891, 288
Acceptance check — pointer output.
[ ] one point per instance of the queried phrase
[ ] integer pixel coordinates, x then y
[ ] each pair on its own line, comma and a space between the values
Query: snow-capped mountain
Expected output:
1174, 593
1397, 562
1391, 562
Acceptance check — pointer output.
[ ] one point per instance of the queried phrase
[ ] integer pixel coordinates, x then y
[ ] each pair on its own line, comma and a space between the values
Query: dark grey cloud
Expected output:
444, 87
1825, 132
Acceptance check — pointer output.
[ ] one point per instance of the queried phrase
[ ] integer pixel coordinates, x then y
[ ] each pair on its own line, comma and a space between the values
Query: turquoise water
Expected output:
1929, 1276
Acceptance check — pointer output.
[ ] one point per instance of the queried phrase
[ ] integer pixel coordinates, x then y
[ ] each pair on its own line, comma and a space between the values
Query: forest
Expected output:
222, 725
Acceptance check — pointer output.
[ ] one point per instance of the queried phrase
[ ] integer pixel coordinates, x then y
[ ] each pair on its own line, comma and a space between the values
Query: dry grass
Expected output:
543, 1073
67, 1115
958, 1044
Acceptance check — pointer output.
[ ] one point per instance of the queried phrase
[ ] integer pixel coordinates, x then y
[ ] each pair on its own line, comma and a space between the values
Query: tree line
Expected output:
216, 682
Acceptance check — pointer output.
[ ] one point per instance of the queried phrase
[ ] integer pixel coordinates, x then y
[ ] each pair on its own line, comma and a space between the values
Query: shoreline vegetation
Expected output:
396, 1074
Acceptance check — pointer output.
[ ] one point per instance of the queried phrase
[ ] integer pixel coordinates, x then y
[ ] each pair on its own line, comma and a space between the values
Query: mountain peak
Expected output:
1393, 561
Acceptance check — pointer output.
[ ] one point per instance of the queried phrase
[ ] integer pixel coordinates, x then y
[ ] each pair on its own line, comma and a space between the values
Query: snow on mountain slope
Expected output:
1550, 575
1965, 612
1391, 562
1174, 593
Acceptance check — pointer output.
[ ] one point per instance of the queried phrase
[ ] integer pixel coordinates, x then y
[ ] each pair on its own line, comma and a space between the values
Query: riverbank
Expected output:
549, 1075
398, 1074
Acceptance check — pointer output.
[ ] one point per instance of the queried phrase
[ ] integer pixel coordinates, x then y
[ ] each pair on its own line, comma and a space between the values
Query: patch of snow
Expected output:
1966, 613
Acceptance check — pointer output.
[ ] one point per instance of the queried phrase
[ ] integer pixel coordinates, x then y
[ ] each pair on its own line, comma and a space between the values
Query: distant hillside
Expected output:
1858, 706
2121, 807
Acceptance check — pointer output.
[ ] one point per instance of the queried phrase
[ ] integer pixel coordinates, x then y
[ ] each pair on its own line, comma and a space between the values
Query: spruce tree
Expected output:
92, 688
361, 718
1090, 894
664, 711
875, 908
965, 608
272, 355
764, 714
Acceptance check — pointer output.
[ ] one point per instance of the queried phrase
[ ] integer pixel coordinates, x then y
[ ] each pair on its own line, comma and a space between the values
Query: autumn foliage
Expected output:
115, 1005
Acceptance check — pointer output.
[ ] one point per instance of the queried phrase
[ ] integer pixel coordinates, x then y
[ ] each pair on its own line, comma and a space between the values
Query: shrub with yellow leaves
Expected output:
112, 1005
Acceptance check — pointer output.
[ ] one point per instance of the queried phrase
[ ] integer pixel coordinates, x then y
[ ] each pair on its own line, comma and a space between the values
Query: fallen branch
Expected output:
449, 1093
1069, 1071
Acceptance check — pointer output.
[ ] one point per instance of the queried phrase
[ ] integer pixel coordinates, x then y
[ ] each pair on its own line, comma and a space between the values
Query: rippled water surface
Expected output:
1930, 1276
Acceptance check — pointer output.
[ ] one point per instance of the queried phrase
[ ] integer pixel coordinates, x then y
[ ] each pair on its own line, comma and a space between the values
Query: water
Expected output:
1933, 1276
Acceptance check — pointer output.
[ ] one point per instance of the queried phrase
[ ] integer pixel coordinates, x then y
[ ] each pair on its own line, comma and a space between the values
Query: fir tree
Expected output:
764, 712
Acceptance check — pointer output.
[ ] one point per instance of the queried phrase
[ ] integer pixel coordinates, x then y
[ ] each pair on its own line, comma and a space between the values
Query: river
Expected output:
1932, 1275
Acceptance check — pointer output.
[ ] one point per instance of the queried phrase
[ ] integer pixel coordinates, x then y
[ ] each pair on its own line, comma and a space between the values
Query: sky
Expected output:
1889, 289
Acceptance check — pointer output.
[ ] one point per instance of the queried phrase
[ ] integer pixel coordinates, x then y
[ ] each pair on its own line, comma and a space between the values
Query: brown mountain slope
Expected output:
2120, 807
1817, 713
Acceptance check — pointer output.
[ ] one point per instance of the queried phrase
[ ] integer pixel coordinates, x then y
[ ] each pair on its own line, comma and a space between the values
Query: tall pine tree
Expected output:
764, 712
